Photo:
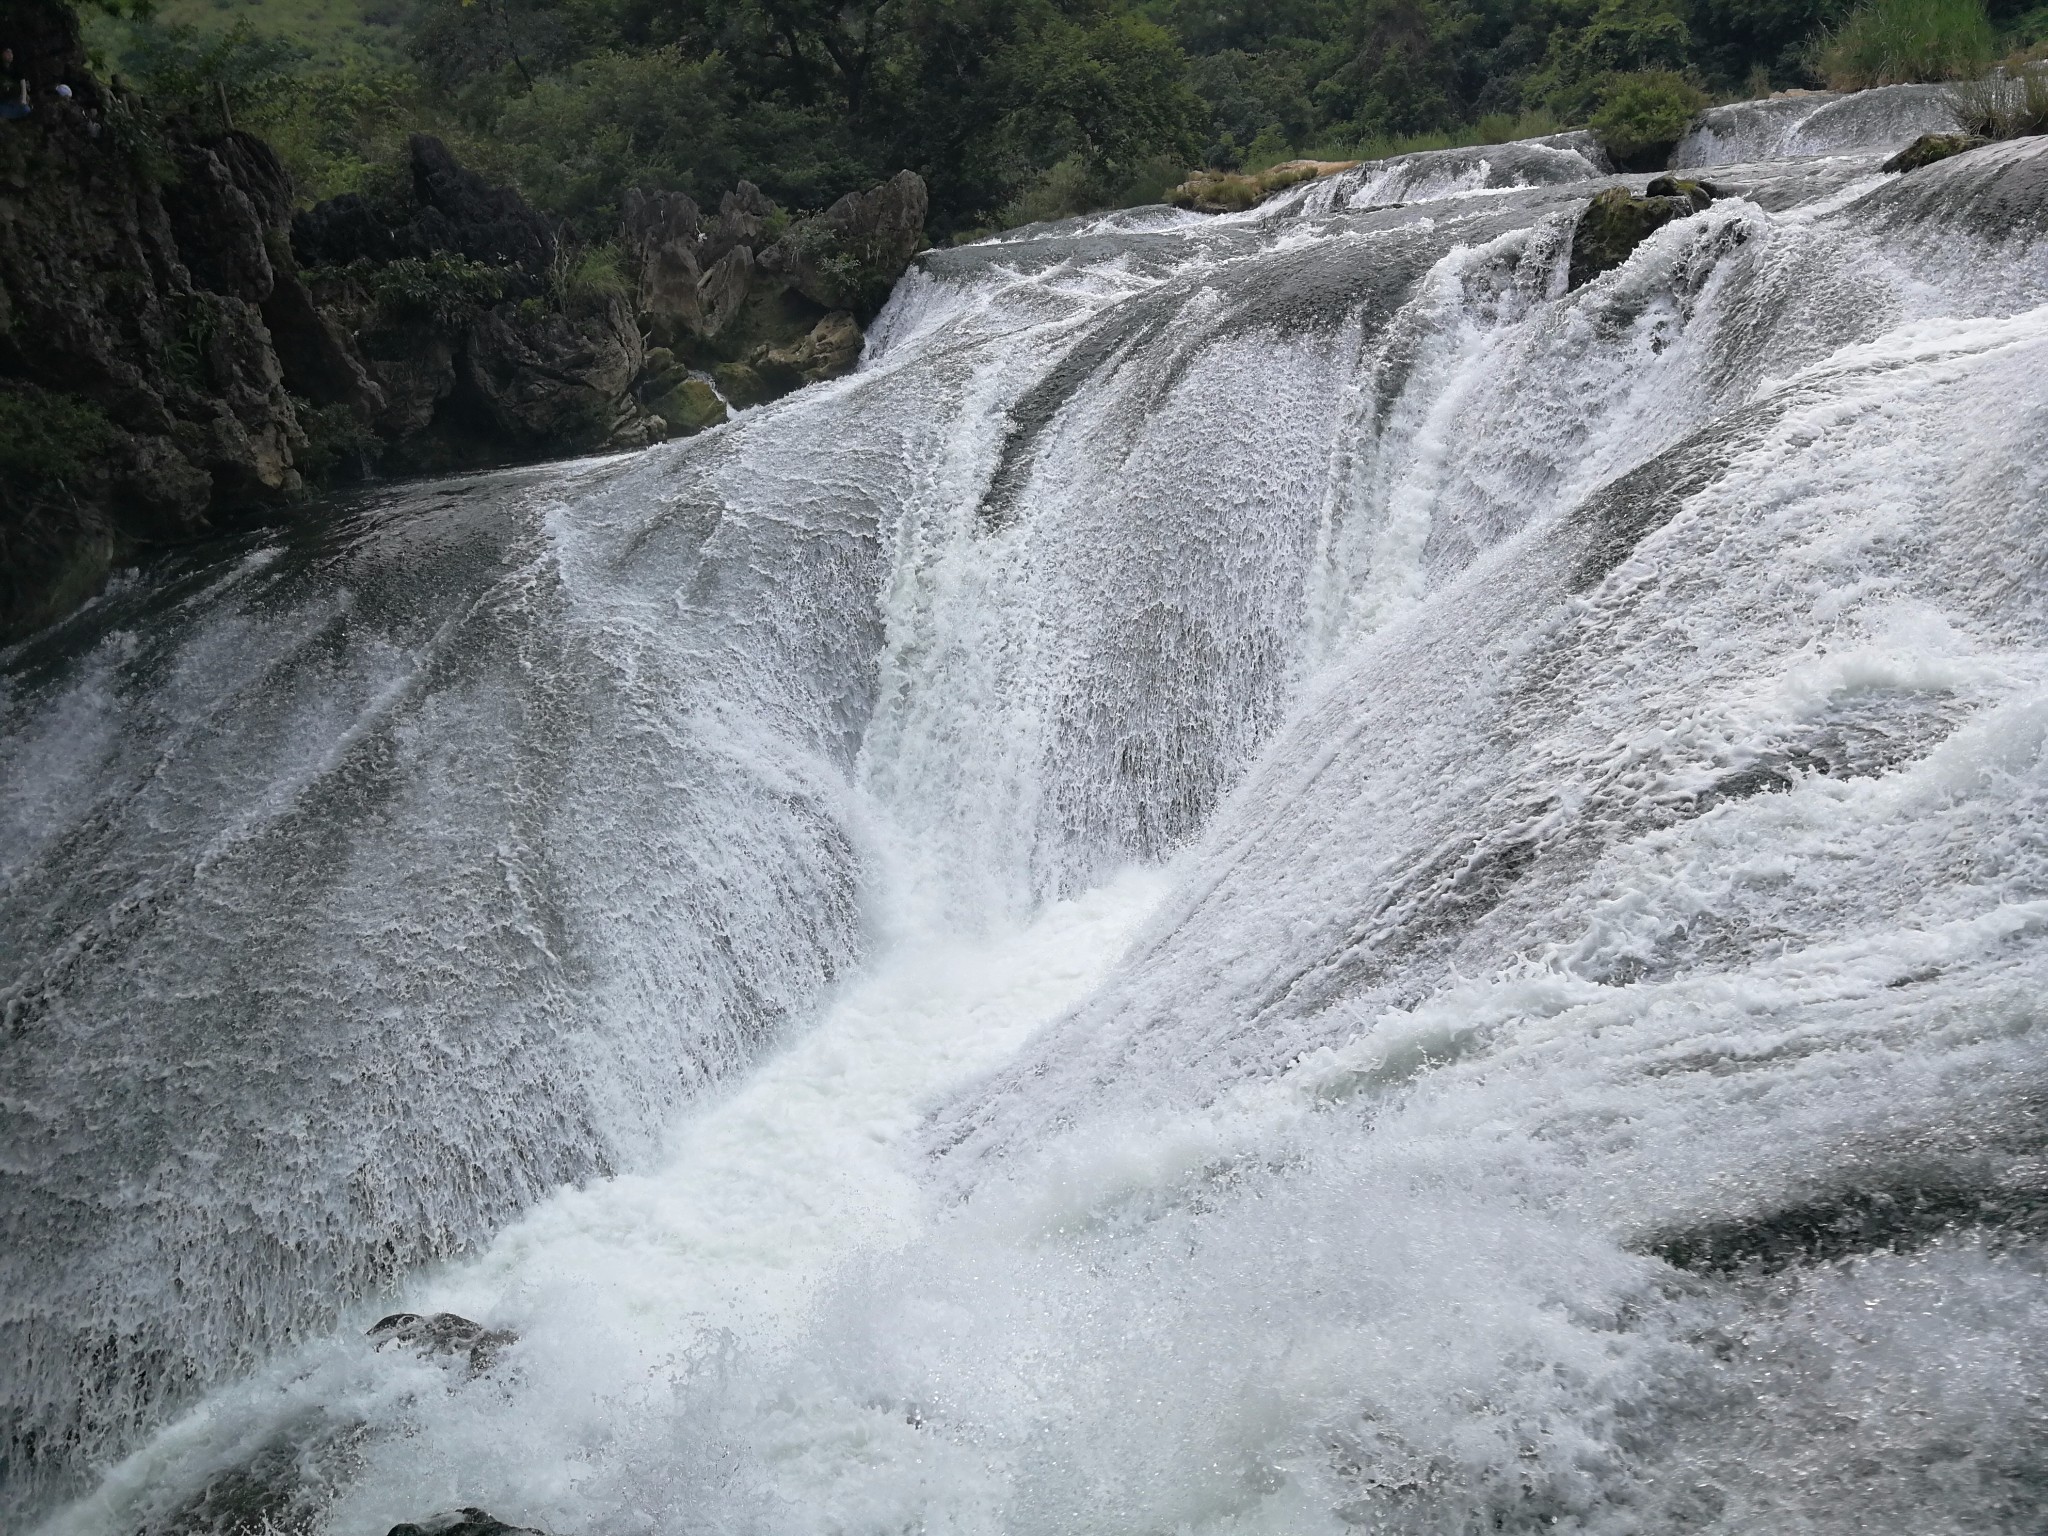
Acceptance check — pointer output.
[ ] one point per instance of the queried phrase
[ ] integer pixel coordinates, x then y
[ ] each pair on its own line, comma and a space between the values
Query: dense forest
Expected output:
1010, 109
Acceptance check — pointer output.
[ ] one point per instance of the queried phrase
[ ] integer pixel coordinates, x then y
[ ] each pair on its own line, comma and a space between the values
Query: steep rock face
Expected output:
180, 349
450, 297
560, 378
762, 302
849, 256
451, 211
134, 266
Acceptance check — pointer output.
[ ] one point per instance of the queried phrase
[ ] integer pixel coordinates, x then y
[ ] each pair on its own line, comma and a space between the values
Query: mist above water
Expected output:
1272, 878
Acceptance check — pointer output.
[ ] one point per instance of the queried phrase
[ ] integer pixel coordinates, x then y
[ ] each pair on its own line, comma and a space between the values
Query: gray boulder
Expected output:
849, 256
558, 381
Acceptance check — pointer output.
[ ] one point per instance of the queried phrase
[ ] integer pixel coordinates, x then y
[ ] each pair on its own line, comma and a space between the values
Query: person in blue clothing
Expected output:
13, 88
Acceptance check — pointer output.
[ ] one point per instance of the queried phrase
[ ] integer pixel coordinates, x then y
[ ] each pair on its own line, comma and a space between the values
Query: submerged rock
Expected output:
1617, 221
463, 1522
443, 1333
1930, 147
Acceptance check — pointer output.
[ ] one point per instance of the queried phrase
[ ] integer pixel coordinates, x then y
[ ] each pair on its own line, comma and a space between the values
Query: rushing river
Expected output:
1273, 878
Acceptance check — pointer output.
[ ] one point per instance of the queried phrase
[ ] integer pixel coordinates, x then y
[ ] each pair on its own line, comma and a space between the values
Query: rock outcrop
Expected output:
462, 1522
181, 351
758, 302
1617, 221
1931, 147
141, 399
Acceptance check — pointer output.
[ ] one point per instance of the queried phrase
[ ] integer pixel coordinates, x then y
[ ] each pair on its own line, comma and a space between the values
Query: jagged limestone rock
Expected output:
555, 381
851, 255
1930, 147
741, 385
828, 349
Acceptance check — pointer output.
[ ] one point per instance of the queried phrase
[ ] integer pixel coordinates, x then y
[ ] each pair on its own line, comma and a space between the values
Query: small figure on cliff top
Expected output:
13, 88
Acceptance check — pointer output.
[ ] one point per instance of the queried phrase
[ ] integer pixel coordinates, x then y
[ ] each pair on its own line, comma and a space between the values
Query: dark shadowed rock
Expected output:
460, 212
830, 348
441, 1333
557, 380
131, 325
463, 1522
231, 192
450, 211
344, 229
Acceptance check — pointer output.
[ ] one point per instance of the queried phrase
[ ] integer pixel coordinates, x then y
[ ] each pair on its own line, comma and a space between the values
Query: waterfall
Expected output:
1274, 877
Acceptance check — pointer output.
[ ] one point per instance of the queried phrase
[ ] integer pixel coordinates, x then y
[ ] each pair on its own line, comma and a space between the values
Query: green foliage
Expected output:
1110, 95
588, 279
2008, 105
340, 129
577, 141
1010, 109
443, 291
240, 71
49, 443
1613, 39
1891, 42
339, 447
1642, 115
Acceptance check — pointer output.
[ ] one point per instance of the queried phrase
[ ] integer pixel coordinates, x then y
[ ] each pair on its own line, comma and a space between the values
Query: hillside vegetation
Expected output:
1010, 109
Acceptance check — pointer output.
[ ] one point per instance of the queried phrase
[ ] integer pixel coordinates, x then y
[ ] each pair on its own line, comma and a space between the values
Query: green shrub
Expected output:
1894, 42
49, 443
1641, 116
1070, 187
443, 291
339, 446
588, 279
2004, 106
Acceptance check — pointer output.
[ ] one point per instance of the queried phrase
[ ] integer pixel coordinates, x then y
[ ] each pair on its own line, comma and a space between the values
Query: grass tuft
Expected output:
1898, 42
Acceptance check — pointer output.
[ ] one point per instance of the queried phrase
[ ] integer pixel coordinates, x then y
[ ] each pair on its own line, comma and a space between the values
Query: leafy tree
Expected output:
1110, 94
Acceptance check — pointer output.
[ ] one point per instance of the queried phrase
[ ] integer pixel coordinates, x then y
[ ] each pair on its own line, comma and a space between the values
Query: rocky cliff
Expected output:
183, 350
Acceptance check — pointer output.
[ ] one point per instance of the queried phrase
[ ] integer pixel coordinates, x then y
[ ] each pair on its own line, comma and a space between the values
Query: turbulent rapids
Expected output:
1274, 877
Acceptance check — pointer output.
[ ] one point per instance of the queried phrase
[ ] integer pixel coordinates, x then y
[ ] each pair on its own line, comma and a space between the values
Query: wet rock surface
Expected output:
442, 1333
1930, 147
463, 1522
1617, 221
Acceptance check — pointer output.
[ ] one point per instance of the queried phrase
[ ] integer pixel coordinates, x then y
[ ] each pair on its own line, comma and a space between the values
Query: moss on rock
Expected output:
740, 385
1617, 221
1930, 147
1233, 191
691, 406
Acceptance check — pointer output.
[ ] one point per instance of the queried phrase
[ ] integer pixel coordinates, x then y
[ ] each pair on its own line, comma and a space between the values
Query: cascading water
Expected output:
1272, 878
